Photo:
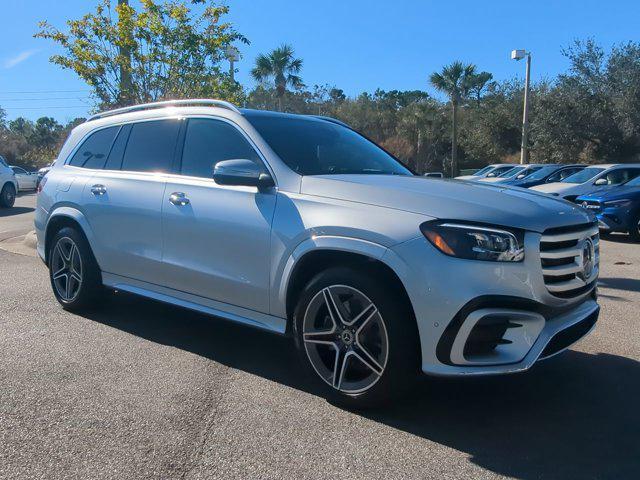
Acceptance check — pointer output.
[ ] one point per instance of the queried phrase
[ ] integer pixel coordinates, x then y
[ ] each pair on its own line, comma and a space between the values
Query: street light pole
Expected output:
233, 55
524, 146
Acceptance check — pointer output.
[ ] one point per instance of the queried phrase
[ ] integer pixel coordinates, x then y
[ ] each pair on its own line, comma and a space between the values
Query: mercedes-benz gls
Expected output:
301, 226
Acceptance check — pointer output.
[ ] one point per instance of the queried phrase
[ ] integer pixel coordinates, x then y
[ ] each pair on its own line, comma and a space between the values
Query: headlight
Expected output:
475, 242
625, 202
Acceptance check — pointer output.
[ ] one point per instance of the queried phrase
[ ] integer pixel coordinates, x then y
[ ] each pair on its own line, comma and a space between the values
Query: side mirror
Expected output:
241, 172
521, 176
490, 175
601, 181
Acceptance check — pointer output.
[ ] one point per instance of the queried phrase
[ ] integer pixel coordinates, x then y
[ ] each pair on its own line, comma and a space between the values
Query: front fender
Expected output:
287, 266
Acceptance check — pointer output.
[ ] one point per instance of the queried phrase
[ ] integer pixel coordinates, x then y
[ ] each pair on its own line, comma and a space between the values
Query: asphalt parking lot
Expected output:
138, 389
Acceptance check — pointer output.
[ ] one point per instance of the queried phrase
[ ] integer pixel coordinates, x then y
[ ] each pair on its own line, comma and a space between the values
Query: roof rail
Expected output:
166, 103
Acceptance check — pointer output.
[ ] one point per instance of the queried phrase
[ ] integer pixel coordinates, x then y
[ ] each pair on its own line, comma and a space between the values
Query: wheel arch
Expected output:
66, 217
320, 253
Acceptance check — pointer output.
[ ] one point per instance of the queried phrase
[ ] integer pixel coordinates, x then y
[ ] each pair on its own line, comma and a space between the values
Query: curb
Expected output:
21, 245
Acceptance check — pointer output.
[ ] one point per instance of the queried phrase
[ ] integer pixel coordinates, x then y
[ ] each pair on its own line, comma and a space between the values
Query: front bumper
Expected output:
451, 296
614, 220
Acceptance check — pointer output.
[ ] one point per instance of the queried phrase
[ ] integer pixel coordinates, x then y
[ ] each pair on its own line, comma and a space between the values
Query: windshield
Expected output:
498, 171
310, 146
527, 172
512, 172
583, 175
541, 173
482, 171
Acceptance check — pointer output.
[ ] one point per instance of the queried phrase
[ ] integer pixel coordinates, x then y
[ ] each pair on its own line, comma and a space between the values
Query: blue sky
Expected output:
356, 45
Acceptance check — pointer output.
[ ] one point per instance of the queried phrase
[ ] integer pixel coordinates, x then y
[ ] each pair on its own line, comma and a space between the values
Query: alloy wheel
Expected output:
66, 268
345, 339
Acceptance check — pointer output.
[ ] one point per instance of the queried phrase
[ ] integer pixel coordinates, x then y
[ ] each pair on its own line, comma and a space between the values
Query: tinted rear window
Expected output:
151, 146
94, 150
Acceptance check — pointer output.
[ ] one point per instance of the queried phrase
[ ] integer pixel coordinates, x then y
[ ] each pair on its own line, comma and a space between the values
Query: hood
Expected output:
467, 177
450, 199
555, 187
613, 193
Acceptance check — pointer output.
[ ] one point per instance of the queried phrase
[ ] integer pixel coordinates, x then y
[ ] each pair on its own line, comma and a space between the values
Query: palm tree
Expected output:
454, 80
478, 84
282, 67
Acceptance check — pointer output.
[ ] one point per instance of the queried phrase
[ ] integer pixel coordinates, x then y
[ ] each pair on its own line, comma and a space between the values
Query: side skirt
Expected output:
195, 302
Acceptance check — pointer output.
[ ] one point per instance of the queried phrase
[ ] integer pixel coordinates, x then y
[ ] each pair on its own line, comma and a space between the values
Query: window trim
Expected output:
176, 165
115, 124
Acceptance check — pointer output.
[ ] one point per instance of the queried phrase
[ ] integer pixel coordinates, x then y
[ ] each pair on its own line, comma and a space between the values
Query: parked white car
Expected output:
590, 179
26, 180
8, 185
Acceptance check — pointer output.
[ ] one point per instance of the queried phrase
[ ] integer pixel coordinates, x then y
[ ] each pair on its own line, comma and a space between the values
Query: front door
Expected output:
217, 238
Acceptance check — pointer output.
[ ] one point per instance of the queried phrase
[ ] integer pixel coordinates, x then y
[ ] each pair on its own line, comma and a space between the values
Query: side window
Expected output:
209, 141
151, 146
621, 175
94, 150
3, 162
18, 170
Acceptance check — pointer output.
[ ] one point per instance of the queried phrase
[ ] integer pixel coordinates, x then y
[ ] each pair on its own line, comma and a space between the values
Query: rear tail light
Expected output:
41, 184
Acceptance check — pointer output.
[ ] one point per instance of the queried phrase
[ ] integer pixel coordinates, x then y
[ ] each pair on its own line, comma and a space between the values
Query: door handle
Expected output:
98, 190
179, 199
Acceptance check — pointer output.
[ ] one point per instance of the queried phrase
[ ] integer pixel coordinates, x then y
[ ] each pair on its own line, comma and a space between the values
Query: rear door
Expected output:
217, 242
123, 200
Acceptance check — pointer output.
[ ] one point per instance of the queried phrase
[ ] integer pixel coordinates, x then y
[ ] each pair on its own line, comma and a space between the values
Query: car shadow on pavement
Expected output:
10, 212
628, 284
576, 415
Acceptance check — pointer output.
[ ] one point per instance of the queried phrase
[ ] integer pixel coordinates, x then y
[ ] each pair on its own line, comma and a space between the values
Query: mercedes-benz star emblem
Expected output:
588, 258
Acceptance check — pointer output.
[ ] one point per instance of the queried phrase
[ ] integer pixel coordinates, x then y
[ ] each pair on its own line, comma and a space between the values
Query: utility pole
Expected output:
126, 85
524, 146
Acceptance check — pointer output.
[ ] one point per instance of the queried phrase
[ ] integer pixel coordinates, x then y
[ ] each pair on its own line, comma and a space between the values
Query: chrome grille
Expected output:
564, 255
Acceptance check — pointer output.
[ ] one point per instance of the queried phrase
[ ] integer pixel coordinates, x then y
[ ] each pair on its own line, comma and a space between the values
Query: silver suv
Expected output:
301, 226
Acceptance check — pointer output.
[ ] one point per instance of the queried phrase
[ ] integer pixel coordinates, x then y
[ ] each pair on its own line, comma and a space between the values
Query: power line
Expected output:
42, 99
41, 91
46, 107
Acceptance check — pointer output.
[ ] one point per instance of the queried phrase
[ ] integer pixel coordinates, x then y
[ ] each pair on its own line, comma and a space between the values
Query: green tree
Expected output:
455, 81
162, 50
281, 66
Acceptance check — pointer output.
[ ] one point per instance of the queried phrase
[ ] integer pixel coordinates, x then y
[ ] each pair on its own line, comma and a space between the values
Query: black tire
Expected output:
403, 352
90, 287
634, 228
7, 195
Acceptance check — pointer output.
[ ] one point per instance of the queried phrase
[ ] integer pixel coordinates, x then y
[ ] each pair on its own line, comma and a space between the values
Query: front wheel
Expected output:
7, 195
357, 337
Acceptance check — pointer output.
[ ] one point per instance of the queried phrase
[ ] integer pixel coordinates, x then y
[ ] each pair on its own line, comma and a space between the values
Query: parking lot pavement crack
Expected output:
213, 400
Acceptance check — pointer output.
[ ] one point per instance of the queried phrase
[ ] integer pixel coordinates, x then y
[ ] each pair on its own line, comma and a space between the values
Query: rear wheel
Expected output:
7, 195
73, 270
634, 228
357, 337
